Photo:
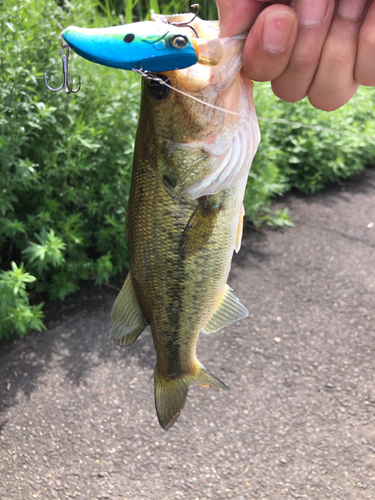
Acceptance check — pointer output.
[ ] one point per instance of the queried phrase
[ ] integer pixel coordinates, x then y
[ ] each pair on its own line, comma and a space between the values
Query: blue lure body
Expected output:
149, 46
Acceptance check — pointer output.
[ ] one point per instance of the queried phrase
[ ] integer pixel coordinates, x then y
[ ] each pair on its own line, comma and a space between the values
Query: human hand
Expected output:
317, 48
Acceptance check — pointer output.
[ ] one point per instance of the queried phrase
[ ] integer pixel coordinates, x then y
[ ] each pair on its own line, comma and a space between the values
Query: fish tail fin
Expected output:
170, 394
170, 397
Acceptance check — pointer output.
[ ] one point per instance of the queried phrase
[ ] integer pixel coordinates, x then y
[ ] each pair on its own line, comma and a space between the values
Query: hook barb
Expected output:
71, 91
188, 23
67, 80
50, 88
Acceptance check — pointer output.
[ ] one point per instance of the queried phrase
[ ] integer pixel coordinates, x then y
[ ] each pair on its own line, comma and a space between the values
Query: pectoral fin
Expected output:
127, 321
228, 310
199, 228
210, 51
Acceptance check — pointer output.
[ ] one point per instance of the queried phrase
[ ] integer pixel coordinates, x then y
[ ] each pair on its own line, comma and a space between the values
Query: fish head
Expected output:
171, 108
201, 128
151, 46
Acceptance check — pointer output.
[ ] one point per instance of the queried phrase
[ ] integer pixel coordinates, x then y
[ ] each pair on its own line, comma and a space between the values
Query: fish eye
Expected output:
179, 42
158, 90
129, 38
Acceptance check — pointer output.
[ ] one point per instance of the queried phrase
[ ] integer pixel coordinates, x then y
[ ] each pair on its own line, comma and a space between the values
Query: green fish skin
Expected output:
184, 217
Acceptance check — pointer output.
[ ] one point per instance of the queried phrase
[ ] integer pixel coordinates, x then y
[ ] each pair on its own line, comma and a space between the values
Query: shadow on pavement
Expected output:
76, 341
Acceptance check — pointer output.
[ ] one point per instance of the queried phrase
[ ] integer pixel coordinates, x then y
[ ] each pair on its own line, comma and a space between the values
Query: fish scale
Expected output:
154, 245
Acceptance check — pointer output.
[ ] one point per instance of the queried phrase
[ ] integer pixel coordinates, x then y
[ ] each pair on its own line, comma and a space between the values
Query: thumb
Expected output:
270, 43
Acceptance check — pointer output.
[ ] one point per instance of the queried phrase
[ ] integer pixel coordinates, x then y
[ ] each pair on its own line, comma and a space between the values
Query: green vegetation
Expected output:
138, 10
65, 160
307, 149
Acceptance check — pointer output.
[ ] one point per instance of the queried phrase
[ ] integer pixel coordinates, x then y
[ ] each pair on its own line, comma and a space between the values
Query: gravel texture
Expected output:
77, 416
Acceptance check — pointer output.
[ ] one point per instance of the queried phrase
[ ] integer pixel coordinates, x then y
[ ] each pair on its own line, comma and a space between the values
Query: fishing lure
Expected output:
144, 48
151, 46
141, 47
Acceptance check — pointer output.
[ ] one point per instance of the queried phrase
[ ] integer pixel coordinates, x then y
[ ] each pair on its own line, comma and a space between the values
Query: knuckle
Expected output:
337, 56
303, 60
287, 96
330, 98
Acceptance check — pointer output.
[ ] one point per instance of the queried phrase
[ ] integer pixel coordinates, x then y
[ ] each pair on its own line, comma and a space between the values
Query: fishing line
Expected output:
151, 76
277, 120
202, 102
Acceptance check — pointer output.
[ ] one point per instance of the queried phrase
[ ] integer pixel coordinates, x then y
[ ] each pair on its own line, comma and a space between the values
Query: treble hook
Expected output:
67, 82
188, 23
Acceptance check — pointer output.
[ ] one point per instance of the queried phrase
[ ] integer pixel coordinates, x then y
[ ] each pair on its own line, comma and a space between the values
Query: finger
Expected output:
334, 84
365, 66
237, 16
270, 42
314, 18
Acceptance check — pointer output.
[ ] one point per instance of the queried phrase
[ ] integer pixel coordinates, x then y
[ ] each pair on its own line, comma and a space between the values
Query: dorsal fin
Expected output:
228, 310
127, 321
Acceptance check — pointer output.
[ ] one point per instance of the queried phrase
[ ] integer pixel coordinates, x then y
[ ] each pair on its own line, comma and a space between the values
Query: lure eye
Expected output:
129, 38
179, 42
158, 90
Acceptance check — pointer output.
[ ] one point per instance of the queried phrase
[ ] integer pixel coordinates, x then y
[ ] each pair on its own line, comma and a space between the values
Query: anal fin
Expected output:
237, 244
205, 377
127, 321
228, 310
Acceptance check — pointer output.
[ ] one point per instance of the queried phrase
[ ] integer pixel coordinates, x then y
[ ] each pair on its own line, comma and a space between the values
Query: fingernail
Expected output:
311, 12
352, 9
277, 31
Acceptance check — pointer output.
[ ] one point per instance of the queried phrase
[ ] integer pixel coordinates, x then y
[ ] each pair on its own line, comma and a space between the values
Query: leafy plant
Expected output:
15, 312
307, 149
317, 148
64, 160
277, 218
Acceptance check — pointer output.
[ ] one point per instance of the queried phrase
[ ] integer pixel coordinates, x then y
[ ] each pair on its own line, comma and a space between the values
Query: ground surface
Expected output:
77, 415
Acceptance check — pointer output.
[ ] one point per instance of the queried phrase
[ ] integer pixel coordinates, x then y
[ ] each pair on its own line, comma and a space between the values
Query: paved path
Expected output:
77, 415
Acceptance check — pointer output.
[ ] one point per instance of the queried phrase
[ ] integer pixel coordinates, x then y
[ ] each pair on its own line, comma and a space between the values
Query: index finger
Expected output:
237, 16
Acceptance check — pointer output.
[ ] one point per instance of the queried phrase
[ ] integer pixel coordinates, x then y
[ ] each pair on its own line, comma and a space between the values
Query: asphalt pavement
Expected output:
77, 416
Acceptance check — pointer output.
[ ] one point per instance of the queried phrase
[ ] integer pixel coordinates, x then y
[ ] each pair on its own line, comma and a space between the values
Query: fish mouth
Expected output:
152, 46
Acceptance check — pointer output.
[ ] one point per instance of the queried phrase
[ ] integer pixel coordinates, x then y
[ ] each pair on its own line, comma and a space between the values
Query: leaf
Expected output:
10, 26
87, 144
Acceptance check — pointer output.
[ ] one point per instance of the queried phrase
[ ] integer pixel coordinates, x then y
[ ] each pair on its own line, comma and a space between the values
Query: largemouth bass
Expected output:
185, 212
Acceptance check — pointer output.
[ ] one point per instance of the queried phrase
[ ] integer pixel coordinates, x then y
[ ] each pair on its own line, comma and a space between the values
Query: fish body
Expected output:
185, 212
